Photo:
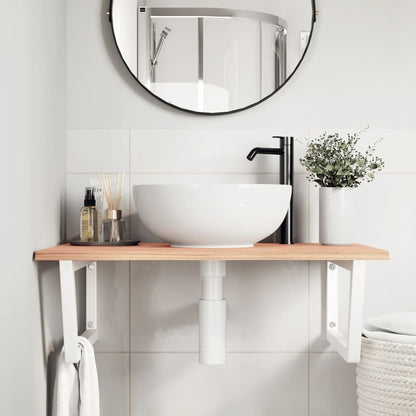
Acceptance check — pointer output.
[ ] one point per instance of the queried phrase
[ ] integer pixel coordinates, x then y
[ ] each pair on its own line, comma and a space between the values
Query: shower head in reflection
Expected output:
163, 36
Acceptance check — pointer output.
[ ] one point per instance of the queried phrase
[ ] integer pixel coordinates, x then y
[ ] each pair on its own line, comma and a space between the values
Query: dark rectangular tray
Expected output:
104, 243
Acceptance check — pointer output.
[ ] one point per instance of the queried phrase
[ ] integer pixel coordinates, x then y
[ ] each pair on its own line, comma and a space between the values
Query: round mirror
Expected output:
212, 59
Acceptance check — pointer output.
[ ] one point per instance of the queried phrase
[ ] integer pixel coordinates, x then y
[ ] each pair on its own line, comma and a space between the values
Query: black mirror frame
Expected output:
221, 113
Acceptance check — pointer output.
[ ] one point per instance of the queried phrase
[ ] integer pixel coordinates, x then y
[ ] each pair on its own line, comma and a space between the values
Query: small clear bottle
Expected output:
89, 218
114, 228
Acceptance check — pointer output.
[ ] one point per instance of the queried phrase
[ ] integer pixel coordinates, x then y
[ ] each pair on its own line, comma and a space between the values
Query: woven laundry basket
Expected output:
386, 379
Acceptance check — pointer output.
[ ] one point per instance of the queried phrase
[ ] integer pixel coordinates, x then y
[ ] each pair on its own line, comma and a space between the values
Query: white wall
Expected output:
359, 71
32, 155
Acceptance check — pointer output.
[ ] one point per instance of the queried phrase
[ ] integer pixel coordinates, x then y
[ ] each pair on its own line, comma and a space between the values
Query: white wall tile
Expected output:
75, 190
97, 151
395, 149
267, 306
113, 378
248, 385
164, 306
113, 306
313, 213
332, 386
301, 208
215, 151
386, 218
317, 307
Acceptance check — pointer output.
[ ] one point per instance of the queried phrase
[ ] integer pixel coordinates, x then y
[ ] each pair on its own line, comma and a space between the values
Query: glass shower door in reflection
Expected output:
211, 60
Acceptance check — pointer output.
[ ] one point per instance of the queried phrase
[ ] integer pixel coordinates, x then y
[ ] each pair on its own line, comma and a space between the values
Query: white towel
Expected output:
395, 327
76, 390
399, 323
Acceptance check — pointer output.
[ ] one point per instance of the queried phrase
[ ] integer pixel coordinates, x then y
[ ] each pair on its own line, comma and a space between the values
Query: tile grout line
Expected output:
130, 151
129, 275
129, 338
228, 352
221, 173
130, 182
309, 340
187, 173
309, 301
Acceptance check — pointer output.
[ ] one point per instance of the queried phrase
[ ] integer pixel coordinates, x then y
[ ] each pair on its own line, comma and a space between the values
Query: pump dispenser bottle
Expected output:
89, 217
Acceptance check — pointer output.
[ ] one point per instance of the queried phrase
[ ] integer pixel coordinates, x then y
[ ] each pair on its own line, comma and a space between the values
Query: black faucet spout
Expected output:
264, 151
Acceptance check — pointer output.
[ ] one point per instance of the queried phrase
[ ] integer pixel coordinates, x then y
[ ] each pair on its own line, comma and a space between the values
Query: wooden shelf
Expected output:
160, 251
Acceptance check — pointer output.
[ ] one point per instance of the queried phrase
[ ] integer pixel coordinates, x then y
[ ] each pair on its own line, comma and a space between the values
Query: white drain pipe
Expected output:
212, 313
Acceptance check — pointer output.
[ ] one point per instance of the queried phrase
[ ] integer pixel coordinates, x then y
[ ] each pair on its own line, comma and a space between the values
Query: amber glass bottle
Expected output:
89, 218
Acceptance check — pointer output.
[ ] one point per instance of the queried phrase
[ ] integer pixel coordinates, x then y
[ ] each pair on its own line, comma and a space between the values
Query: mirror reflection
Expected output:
212, 59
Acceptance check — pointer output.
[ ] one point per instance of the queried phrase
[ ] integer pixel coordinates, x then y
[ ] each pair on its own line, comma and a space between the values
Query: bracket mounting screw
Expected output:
332, 266
332, 324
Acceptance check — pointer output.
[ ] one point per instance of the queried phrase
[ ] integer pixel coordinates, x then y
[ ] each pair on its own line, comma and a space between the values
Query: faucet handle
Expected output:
284, 140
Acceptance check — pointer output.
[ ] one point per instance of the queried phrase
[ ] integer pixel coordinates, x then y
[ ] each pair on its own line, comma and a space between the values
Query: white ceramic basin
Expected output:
210, 215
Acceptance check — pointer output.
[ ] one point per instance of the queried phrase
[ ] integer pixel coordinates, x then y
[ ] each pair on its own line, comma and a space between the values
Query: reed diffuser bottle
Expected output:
114, 228
89, 218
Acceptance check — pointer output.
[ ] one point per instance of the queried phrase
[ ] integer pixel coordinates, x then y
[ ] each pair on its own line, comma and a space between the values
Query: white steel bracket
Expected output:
347, 345
67, 270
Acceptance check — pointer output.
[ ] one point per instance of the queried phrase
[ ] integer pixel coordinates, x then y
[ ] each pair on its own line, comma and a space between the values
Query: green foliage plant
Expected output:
335, 161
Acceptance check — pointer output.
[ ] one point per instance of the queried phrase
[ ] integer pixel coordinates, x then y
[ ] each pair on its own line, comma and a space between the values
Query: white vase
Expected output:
335, 216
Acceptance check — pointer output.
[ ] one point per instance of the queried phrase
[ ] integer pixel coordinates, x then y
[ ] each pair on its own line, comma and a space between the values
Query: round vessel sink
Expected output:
212, 215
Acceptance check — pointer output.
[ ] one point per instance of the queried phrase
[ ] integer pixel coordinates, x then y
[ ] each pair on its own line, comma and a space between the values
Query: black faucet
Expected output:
285, 151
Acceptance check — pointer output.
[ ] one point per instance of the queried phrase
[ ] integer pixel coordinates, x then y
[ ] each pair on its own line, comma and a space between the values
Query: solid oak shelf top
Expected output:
162, 251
